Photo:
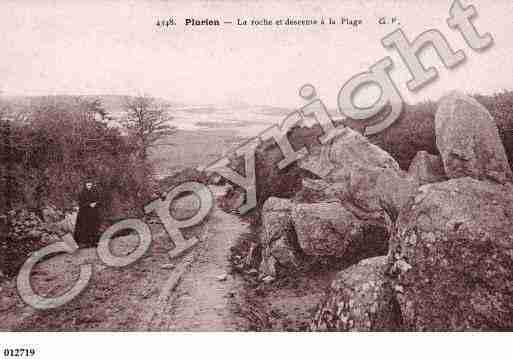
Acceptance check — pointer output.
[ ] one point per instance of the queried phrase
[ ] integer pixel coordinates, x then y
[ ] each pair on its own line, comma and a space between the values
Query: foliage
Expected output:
49, 148
148, 122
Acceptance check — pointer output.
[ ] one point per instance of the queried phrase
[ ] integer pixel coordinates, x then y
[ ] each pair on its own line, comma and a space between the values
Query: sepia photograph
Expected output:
255, 166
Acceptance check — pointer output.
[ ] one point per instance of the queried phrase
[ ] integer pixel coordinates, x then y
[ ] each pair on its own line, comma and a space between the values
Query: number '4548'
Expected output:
166, 22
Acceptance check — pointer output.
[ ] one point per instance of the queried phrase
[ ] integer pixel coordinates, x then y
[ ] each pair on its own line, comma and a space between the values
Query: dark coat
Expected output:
88, 219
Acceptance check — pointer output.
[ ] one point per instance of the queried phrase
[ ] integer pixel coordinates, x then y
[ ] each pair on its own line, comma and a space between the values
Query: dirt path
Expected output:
193, 292
204, 295
207, 297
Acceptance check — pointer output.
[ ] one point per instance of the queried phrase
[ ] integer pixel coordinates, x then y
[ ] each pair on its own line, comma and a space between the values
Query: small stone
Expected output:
222, 277
252, 271
268, 279
100, 267
6, 303
239, 267
403, 265
147, 293
168, 266
34, 233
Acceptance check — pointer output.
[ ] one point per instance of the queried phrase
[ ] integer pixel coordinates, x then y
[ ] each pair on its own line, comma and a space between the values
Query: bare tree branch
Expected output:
148, 121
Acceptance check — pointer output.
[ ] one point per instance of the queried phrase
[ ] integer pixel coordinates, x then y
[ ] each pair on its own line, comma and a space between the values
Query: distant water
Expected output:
207, 133
246, 121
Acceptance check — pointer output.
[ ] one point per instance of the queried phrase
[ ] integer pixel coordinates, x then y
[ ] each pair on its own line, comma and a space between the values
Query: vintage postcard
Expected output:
262, 166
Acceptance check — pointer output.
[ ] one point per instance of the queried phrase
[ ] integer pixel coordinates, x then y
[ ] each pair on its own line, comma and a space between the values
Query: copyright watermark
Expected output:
378, 74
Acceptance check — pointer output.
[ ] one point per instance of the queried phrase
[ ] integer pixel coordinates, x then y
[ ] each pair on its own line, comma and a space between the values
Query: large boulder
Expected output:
326, 229
451, 257
427, 168
359, 299
293, 232
363, 175
279, 238
468, 140
353, 149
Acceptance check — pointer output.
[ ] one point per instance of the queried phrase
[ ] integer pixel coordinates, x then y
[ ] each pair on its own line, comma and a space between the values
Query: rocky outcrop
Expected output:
450, 262
451, 257
24, 225
360, 299
362, 174
426, 168
22, 232
345, 214
295, 231
468, 140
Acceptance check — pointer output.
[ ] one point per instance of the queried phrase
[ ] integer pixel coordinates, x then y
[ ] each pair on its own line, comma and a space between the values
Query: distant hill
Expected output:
114, 104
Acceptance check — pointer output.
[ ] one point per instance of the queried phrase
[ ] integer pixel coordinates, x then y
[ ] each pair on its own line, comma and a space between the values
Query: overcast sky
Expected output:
114, 47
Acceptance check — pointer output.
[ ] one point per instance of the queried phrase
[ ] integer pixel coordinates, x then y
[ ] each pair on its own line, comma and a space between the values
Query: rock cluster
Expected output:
346, 213
449, 264
24, 224
22, 232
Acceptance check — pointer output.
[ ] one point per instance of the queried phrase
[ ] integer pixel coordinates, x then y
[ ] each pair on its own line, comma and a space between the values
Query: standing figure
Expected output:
88, 218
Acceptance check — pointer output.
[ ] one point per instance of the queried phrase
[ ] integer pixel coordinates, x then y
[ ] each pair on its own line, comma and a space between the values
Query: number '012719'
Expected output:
19, 352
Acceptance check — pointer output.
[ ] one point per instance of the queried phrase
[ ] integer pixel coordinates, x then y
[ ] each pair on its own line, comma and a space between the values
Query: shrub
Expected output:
59, 141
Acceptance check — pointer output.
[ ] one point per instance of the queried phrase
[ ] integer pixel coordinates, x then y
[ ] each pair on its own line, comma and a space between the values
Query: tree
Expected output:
51, 144
148, 121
